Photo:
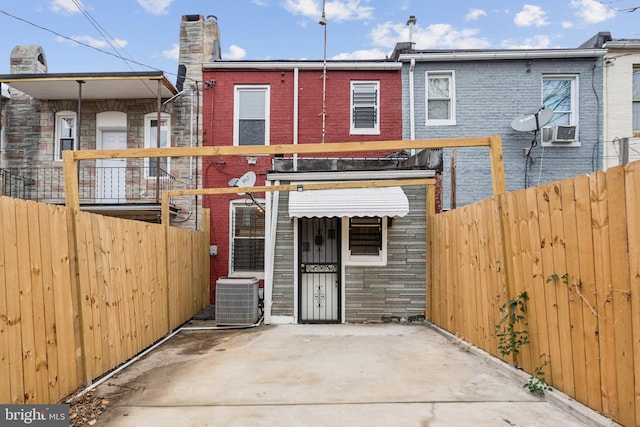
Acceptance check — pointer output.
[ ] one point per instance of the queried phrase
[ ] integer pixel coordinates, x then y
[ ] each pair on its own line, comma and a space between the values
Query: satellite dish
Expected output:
246, 180
532, 122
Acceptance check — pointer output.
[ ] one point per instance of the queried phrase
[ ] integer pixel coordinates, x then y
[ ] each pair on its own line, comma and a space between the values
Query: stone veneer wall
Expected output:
399, 288
372, 293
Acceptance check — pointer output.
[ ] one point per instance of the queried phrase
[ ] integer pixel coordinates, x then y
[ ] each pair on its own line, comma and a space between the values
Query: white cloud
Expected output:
336, 10
535, 42
93, 42
474, 14
235, 53
260, 2
361, 54
531, 16
442, 36
67, 7
173, 53
155, 7
592, 11
567, 24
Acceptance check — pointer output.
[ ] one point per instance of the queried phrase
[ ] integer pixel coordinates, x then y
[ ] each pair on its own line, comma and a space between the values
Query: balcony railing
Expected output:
96, 185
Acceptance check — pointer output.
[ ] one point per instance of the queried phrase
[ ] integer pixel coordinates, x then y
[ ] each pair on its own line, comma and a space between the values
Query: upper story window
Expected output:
441, 107
151, 141
560, 94
636, 101
365, 111
247, 238
251, 115
65, 132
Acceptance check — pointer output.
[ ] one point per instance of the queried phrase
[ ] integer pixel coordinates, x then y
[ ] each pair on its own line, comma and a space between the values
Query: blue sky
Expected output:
147, 31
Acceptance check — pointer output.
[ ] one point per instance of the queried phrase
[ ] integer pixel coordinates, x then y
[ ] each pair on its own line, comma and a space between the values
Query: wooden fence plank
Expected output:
586, 290
26, 304
5, 386
572, 261
632, 186
39, 324
47, 250
13, 321
529, 249
604, 308
546, 293
620, 294
558, 245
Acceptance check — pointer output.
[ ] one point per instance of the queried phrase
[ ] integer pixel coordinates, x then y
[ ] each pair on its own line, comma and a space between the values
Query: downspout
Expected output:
159, 119
412, 119
76, 146
272, 225
296, 83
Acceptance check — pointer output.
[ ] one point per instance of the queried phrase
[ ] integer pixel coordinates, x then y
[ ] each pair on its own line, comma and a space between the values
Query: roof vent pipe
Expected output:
411, 23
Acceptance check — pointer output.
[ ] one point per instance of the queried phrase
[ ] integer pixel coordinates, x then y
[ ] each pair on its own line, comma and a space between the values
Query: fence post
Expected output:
430, 212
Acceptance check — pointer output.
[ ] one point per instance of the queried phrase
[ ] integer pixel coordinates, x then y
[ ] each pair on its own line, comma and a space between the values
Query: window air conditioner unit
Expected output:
559, 134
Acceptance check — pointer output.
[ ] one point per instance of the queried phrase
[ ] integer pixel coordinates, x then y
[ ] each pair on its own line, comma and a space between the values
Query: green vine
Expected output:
511, 337
537, 384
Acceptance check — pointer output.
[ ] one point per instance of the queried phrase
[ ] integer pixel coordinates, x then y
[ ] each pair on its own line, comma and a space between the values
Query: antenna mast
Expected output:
323, 22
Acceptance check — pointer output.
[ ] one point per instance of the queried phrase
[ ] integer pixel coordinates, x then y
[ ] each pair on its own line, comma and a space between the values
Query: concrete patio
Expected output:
328, 375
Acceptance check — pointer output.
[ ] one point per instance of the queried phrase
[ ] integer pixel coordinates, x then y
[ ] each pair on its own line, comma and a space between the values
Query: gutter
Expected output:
267, 65
435, 56
622, 44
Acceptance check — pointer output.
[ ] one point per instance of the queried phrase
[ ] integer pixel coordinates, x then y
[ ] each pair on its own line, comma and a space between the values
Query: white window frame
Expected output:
573, 114
59, 116
371, 260
148, 118
635, 101
266, 89
232, 206
451, 75
375, 130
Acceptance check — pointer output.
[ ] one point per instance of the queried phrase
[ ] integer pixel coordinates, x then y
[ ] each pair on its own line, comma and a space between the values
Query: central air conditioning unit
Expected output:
237, 301
559, 134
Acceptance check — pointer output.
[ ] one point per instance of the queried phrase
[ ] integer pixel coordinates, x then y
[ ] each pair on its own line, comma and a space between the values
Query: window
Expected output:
365, 240
251, 115
636, 101
440, 98
560, 94
151, 141
365, 114
247, 238
65, 130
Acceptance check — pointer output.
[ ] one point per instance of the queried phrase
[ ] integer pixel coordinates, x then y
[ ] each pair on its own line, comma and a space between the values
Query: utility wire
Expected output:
109, 39
132, 61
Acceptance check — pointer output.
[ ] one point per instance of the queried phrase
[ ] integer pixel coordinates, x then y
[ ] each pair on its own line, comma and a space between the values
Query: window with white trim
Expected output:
636, 100
365, 110
65, 132
251, 115
365, 240
560, 94
151, 141
441, 107
247, 234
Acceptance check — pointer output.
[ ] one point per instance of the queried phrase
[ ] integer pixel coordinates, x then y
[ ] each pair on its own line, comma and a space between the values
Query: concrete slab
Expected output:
319, 375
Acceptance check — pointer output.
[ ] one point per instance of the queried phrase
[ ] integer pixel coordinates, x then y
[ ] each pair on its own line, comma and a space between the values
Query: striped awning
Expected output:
349, 202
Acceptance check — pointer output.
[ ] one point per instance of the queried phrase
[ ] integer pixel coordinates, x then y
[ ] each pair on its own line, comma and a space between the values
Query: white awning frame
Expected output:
349, 202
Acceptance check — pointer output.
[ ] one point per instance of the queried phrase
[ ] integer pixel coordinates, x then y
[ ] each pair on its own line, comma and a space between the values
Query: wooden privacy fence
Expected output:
574, 248
80, 294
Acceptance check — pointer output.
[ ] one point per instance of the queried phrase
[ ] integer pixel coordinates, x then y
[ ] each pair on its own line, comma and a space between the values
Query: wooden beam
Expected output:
333, 147
497, 165
70, 170
289, 187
